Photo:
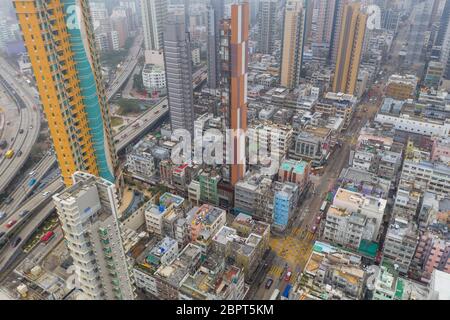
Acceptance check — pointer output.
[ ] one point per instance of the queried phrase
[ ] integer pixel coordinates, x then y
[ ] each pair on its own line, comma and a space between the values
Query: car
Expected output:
46, 193
2, 215
2, 233
21, 131
11, 223
16, 242
288, 275
32, 173
19, 153
269, 283
24, 213
31, 127
8, 200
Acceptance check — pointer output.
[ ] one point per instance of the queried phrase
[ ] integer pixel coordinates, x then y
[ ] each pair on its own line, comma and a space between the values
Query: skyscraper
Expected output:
60, 42
293, 43
88, 214
215, 15
443, 25
336, 31
266, 25
234, 60
416, 40
154, 16
443, 40
351, 41
323, 22
177, 57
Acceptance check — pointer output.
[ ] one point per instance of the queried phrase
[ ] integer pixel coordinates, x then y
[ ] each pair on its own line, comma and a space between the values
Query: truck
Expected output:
285, 295
275, 294
3, 144
9, 154
323, 207
32, 182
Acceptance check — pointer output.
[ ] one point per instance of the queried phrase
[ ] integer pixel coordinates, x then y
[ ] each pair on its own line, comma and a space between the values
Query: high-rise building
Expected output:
421, 16
234, 61
353, 28
177, 60
293, 43
266, 25
323, 18
443, 25
443, 40
66, 67
88, 214
336, 31
154, 16
215, 15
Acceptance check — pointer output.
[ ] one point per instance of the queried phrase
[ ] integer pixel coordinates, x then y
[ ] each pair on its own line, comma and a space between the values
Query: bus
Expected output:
9, 154
47, 237
275, 294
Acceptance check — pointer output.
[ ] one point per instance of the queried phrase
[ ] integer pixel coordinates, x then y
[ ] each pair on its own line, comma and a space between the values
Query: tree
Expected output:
138, 83
128, 106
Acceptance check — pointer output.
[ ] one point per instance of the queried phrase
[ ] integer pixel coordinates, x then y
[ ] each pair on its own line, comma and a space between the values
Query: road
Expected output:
9, 252
29, 124
127, 67
24, 189
41, 207
32, 204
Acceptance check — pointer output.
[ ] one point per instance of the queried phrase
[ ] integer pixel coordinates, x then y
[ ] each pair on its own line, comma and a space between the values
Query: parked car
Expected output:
2, 234
288, 275
269, 283
46, 193
2, 215
16, 242
21, 131
24, 213
11, 223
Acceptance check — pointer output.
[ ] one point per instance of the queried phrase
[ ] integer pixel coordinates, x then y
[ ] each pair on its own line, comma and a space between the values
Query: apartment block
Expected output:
88, 211
401, 87
203, 223
400, 243
245, 249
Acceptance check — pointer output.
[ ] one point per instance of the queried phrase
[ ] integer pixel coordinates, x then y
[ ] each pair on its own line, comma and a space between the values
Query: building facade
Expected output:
293, 44
353, 28
177, 61
70, 85
88, 212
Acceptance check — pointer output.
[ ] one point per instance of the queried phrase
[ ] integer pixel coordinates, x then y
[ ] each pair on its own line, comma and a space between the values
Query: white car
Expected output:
32, 173
46, 193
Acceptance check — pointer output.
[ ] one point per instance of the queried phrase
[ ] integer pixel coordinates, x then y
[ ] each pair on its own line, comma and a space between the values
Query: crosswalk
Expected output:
276, 271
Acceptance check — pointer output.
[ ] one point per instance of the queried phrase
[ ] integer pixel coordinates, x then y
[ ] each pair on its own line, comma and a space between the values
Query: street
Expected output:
293, 250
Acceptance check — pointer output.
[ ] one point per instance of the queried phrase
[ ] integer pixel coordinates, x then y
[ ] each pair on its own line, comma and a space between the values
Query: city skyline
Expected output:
225, 150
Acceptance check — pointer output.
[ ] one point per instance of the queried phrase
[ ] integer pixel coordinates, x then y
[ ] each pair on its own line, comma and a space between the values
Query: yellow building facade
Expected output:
353, 28
59, 41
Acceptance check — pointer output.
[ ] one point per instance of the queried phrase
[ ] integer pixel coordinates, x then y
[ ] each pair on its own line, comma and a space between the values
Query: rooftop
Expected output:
297, 167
